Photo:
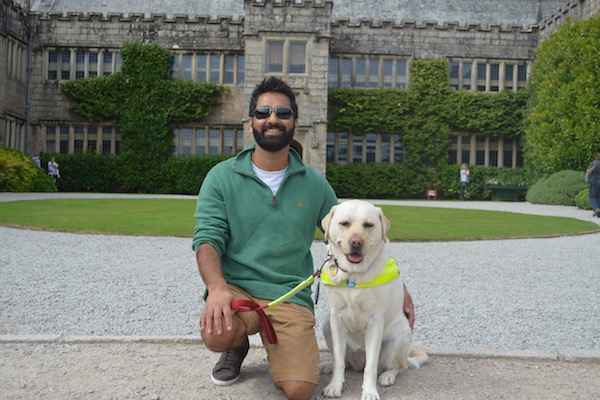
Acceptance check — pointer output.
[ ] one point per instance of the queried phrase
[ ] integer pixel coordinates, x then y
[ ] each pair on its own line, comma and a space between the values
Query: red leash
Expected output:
248, 305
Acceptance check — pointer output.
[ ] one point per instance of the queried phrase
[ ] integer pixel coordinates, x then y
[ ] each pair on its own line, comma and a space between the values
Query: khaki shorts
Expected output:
295, 357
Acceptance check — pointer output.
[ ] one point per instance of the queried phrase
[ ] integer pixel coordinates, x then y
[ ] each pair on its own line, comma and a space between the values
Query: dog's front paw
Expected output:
370, 396
387, 378
332, 390
325, 367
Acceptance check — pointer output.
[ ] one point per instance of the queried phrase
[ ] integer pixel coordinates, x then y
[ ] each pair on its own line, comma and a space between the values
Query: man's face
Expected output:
273, 133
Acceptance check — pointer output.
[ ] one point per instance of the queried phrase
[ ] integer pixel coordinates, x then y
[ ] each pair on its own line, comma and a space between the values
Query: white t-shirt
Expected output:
271, 178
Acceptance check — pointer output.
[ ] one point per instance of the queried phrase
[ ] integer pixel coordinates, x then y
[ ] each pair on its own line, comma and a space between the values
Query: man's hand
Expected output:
216, 311
409, 309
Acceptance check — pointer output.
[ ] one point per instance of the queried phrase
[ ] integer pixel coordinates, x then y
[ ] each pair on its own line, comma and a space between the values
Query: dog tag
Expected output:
333, 271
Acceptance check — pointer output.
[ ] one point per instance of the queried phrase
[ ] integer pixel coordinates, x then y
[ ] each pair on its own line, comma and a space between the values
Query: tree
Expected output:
144, 100
563, 124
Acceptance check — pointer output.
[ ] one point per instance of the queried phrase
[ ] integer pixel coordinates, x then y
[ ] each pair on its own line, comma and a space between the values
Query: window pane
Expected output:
241, 78
297, 58
215, 69
346, 72
481, 71
186, 142
454, 70
332, 77
371, 147
93, 64
228, 141
398, 149
522, 73
200, 141
343, 149
357, 149
214, 140
229, 69
494, 72
388, 80
361, 73
401, 80
187, 67
374, 74
386, 148
239, 142
508, 73
107, 64
330, 147
201, 61
275, 57
176, 66
467, 70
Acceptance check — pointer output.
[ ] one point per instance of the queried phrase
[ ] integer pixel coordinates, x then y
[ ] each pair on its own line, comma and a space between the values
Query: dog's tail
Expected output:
417, 358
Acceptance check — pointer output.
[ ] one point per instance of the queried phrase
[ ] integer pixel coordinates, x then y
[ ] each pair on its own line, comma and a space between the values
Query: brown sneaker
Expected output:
227, 371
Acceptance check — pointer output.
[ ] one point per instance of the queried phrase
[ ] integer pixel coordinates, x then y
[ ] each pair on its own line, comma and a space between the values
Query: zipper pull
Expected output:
274, 201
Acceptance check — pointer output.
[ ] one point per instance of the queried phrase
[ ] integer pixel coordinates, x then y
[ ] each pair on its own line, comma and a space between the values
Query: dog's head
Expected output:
356, 231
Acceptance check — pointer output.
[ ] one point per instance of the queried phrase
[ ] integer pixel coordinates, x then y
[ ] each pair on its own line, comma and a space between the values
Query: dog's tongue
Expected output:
354, 257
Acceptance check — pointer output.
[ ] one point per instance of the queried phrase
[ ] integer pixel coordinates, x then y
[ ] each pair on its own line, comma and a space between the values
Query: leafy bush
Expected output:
43, 182
582, 200
557, 189
17, 171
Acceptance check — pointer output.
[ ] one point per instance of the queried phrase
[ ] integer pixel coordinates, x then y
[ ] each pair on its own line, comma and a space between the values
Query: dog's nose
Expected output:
356, 241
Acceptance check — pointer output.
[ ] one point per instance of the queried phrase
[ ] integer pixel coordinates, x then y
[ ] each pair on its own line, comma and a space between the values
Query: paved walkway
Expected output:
55, 366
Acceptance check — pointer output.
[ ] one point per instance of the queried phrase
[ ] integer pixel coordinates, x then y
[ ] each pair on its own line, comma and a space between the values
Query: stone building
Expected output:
315, 45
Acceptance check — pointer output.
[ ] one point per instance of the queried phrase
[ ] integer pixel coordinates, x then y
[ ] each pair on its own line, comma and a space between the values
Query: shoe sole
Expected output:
219, 382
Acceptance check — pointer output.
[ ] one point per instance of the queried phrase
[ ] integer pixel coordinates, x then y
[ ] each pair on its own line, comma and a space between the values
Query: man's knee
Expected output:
296, 390
226, 340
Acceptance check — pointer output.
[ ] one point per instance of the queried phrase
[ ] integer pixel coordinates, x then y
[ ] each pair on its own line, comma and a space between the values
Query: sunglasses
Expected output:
265, 112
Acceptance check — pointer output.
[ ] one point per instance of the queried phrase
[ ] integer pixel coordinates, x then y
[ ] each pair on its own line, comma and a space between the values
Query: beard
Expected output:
273, 143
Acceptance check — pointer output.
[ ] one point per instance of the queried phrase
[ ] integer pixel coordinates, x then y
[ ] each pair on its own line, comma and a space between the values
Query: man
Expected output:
256, 216
594, 171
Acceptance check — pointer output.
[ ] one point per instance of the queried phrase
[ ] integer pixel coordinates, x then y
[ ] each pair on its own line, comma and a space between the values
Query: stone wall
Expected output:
13, 73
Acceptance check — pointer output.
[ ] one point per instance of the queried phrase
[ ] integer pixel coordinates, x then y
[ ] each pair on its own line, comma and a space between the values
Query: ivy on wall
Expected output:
144, 100
427, 112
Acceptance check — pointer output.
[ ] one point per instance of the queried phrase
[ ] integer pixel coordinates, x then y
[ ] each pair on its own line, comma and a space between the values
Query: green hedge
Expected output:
89, 172
560, 188
398, 181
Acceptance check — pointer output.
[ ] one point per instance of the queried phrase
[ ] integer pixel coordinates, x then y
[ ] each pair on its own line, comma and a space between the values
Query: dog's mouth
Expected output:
354, 257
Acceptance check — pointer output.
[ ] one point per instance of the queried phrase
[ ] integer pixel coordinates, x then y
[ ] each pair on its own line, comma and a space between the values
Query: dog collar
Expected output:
390, 272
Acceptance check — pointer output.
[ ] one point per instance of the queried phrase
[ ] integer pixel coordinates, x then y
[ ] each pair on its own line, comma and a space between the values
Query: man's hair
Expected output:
273, 85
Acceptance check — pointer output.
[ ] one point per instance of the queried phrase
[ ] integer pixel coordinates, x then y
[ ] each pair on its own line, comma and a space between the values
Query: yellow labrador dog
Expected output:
367, 328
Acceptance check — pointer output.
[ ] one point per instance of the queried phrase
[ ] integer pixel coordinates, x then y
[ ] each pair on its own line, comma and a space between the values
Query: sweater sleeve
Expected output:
212, 226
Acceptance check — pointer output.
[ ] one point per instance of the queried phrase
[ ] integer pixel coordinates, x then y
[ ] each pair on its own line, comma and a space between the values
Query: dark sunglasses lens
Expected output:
283, 113
262, 112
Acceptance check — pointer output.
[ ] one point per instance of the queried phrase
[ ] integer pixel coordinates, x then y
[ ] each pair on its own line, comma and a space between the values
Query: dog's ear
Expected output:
385, 224
326, 221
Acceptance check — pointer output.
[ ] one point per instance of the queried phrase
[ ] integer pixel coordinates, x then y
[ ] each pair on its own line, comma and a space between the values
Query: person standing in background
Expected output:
464, 180
53, 169
594, 172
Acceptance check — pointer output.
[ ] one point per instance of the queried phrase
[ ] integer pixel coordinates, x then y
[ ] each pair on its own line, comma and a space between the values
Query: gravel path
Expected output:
525, 294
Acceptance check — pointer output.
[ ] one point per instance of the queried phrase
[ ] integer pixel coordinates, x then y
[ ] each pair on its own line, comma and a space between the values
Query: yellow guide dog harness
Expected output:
390, 272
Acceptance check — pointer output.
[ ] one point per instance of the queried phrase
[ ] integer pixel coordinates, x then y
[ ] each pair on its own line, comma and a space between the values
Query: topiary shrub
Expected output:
557, 189
582, 200
185, 174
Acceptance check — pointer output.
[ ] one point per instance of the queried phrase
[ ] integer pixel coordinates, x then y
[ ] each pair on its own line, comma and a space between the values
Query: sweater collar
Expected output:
243, 161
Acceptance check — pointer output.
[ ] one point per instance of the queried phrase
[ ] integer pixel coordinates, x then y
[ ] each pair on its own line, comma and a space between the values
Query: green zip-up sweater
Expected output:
263, 240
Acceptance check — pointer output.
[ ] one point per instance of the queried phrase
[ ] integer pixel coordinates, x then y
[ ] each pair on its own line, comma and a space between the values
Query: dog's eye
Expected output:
345, 224
368, 225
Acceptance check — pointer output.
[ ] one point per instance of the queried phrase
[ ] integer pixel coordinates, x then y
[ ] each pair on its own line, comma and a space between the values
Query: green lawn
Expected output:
174, 217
